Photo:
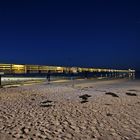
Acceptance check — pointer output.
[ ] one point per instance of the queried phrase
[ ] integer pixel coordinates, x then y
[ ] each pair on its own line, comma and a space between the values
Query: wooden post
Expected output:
1, 73
0, 82
72, 81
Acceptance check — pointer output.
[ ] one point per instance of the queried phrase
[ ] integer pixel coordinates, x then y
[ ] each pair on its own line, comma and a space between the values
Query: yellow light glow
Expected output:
59, 68
18, 67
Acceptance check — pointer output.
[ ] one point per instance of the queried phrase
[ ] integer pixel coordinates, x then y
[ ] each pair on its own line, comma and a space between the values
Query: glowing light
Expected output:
18, 67
59, 68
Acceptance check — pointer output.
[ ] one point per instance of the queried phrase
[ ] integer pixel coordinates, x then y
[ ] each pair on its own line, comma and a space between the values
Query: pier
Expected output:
42, 69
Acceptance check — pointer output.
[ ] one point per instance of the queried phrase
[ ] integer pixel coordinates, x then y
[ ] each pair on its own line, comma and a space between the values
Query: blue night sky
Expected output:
96, 33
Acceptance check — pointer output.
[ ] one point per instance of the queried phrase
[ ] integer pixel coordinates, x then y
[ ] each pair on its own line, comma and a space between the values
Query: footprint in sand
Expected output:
84, 101
112, 94
84, 98
109, 114
131, 94
47, 103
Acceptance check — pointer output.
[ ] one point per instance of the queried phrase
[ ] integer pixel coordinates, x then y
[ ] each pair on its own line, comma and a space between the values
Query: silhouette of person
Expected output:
49, 76
86, 74
71, 75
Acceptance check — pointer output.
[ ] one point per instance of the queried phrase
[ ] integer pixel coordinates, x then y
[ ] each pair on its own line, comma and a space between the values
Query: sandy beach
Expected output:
89, 110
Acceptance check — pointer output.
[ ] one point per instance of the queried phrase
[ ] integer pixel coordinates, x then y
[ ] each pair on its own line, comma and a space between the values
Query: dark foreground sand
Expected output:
55, 111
